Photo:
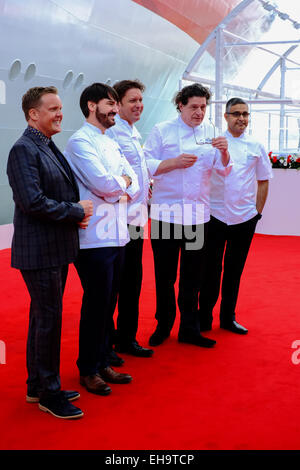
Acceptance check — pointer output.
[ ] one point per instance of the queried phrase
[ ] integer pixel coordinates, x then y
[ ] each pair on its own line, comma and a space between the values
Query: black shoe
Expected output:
59, 406
234, 327
135, 349
70, 395
158, 337
115, 360
196, 339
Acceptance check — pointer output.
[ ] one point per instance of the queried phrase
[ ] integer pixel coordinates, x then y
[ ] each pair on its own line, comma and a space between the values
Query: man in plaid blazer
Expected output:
46, 219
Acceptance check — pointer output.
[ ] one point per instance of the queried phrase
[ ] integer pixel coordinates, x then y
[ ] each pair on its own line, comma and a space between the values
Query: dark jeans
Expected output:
99, 271
130, 288
232, 242
166, 250
46, 288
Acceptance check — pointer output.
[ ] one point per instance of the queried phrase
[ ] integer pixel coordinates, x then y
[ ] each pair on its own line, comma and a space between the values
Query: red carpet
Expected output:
242, 394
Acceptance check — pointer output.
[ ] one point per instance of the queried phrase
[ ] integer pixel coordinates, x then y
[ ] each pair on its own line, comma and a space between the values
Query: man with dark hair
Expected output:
233, 102
180, 156
45, 241
182, 96
104, 175
235, 211
124, 132
124, 86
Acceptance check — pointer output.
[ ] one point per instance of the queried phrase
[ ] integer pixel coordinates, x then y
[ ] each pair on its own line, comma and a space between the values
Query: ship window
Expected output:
67, 80
30, 72
79, 81
15, 69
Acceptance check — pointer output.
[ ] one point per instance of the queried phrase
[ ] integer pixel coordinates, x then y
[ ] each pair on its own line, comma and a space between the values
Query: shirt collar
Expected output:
132, 130
228, 134
92, 127
183, 125
39, 134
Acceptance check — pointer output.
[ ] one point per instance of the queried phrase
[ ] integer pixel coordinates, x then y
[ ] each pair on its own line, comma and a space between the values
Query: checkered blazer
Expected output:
46, 207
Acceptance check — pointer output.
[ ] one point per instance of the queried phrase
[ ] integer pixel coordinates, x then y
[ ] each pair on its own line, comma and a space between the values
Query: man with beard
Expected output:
104, 176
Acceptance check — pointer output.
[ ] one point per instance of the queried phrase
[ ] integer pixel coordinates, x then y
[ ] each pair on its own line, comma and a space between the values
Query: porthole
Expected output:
15, 69
68, 79
79, 81
30, 72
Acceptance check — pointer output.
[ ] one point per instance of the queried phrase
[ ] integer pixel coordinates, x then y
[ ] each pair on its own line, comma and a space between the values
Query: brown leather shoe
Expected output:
114, 377
95, 384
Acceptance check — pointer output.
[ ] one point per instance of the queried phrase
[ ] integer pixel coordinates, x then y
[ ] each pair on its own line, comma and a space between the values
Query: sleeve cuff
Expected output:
152, 166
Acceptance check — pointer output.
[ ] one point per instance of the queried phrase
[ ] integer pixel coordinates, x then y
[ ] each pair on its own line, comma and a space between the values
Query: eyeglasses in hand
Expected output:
206, 140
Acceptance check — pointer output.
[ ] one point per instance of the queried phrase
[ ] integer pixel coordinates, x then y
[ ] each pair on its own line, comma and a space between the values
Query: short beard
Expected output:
103, 119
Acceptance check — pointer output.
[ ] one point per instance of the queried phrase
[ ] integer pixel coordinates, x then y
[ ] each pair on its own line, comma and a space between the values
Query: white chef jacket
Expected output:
233, 198
98, 163
128, 138
181, 196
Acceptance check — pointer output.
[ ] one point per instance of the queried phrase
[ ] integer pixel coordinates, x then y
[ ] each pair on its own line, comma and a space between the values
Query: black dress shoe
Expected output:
115, 360
196, 339
135, 349
70, 395
158, 337
234, 327
59, 406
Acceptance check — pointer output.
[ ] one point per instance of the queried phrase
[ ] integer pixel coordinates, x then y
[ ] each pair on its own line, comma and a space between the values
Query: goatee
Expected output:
103, 119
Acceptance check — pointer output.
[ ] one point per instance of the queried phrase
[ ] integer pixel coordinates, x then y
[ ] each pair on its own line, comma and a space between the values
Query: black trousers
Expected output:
130, 288
46, 288
99, 270
231, 242
168, 242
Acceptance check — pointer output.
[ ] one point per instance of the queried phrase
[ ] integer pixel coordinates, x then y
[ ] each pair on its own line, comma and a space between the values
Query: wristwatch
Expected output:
259, 216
